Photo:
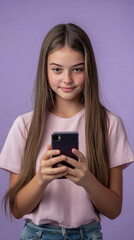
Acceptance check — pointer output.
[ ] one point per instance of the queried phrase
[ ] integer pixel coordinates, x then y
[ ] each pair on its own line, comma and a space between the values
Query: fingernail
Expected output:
62, 157
57, 151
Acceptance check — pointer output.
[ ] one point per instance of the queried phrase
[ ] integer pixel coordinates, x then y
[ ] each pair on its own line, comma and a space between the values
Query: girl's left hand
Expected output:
80, 173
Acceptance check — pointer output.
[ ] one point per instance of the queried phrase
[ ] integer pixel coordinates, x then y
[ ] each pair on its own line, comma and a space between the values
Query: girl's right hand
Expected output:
47, 172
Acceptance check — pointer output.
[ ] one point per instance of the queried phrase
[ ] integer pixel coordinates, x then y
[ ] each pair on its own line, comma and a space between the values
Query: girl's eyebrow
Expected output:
82, 63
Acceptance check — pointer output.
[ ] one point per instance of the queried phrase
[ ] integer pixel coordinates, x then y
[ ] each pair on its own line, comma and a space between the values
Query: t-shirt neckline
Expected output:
75, 116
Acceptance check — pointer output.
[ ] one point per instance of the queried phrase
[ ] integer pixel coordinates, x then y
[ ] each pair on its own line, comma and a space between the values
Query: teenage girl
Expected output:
66, 99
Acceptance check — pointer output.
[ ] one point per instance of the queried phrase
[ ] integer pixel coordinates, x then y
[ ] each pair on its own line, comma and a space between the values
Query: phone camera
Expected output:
56, 137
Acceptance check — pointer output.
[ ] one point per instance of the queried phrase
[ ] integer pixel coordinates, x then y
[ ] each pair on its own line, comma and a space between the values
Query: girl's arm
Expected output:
107, 200
29, 196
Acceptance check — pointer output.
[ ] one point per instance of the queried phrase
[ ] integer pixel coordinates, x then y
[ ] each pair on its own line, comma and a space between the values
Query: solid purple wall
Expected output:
23, 25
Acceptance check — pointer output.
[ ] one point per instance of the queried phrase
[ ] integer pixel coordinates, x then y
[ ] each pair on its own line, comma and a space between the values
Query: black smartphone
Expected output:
65, 141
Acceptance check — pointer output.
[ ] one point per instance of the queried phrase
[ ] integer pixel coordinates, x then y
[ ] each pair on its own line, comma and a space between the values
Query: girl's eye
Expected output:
77, 69
57, 70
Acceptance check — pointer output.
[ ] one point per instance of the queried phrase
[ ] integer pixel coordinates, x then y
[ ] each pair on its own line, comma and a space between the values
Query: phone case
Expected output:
65, 141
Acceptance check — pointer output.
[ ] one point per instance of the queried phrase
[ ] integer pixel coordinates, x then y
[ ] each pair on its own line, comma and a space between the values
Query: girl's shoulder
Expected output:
115, 123
23, 122
25, 118
112, 117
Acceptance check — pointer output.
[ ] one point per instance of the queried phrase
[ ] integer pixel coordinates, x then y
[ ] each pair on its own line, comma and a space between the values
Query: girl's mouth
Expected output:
67, 89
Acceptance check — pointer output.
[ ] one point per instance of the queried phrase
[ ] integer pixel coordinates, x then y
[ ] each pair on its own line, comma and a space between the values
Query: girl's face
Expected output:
66, 75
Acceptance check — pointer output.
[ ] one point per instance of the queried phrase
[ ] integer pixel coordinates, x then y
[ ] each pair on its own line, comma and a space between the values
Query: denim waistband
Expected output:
51, 228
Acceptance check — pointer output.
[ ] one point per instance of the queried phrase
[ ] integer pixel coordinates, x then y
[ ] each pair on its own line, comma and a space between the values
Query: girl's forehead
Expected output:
66, 54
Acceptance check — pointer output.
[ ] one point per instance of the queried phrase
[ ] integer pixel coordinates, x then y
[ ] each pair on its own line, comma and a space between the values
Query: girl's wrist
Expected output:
87, 181
42, 183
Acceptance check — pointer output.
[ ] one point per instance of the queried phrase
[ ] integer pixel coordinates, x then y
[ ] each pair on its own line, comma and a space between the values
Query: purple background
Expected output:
23, 25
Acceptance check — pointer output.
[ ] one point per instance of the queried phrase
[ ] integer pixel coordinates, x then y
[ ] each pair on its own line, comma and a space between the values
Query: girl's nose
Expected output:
67, 77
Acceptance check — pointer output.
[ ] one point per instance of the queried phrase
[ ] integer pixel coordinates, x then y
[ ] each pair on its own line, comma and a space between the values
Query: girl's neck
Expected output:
67, 109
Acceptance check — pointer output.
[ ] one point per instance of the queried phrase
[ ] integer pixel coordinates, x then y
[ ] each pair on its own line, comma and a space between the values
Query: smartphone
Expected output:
65, 141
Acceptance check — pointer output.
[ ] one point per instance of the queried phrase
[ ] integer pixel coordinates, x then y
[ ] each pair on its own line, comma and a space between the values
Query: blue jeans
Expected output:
90, 231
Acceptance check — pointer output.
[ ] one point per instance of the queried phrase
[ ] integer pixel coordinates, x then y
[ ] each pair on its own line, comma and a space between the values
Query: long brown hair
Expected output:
96, 122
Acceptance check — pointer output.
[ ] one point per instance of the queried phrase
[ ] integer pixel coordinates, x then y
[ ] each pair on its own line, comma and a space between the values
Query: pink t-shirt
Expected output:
63, 203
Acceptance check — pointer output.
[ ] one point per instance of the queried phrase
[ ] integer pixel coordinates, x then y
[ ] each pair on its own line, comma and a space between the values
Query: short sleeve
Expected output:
120, 152
12, 153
